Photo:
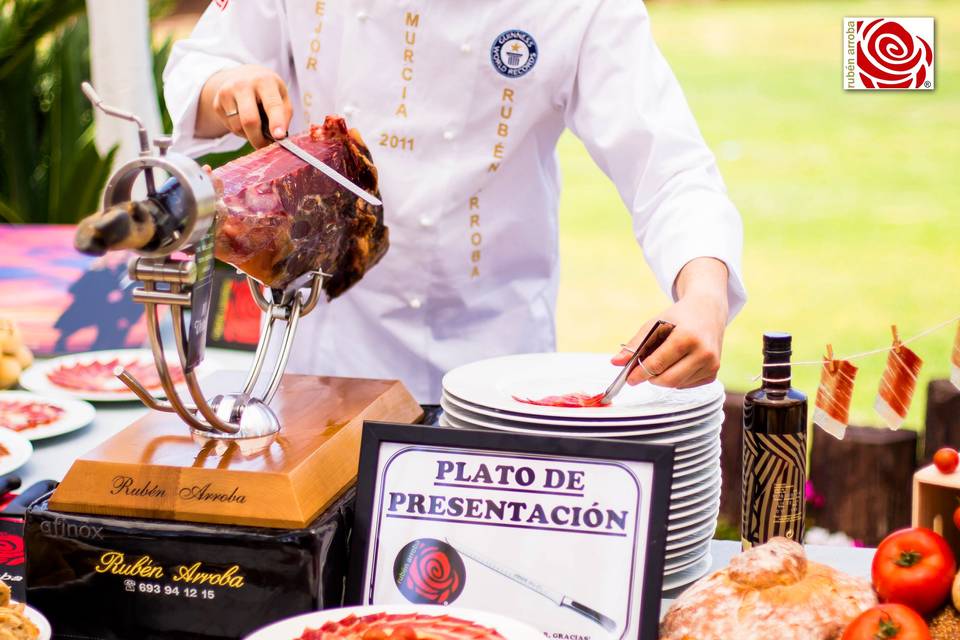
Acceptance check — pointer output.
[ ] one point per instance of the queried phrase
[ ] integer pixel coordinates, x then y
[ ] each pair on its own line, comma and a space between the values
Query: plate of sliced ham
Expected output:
567, 385
37, 416
424, 622
92, 376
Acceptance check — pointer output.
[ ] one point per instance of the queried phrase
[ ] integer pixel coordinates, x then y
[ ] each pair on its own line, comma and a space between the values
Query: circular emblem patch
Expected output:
429, 571
513, 53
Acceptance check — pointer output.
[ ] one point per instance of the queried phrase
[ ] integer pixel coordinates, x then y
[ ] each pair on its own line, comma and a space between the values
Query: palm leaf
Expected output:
7, 213
28, 22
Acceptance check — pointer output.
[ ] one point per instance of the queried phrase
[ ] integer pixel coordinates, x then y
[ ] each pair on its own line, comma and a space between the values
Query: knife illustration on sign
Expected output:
550, 594
312, 160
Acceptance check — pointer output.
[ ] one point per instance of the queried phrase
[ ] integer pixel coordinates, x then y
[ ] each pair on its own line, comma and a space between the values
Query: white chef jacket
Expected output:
464, 138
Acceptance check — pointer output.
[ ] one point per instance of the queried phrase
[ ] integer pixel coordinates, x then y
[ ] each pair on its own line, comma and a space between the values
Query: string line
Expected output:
873, 352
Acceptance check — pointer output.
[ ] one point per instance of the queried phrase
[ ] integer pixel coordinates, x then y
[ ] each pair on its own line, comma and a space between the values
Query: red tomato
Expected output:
946, 460
893, 621
956, 517
914, 567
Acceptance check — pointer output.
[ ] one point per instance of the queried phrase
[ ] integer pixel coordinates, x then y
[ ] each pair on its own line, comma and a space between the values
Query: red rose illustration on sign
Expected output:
429, 571
11, 550
891, 57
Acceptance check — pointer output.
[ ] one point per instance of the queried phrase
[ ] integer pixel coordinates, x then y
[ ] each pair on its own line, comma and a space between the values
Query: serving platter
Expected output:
37, 618
293, 628
96, 368
73, 414
493, 383
18, 449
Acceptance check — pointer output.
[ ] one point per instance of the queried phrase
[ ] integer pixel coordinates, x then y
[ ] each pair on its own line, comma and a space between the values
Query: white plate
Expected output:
42, 623
35, 378
676, 515
582, 427
76, 414
681, 465
709, 485
492, 383
578, 421
694, 526
20, 451
293, 628
700, 432
705, 533
697, 475
682, 503
688, 576
694, 558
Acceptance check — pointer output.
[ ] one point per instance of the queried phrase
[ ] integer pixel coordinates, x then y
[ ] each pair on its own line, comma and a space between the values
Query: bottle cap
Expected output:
777, 342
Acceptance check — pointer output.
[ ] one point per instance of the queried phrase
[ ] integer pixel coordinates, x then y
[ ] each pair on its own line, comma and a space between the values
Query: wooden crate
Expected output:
935, 497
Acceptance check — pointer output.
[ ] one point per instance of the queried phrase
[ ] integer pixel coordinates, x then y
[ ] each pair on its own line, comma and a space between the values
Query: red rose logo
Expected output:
890, 57
11, 550
429, 571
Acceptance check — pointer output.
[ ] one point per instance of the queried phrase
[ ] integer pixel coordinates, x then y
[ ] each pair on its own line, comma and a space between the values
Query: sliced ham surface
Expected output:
412, 626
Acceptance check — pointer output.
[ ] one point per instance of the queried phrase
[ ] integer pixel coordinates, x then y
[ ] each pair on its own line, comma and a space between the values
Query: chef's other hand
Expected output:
228, 102
691, 354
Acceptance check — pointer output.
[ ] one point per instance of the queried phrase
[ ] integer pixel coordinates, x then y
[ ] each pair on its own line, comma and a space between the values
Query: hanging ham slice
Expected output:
832, 412
898, 384
955, 361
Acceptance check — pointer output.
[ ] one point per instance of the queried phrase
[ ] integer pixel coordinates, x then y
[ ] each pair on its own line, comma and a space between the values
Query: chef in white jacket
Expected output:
461, 104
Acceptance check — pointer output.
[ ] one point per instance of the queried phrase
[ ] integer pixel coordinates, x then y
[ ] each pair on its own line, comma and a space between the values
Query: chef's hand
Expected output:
691, 354
228, 102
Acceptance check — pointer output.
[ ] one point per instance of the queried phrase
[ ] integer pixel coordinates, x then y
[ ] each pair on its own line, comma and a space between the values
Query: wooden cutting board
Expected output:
156, 468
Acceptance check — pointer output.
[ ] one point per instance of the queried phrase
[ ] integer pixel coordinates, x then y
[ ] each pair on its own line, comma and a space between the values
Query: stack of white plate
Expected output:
481, 396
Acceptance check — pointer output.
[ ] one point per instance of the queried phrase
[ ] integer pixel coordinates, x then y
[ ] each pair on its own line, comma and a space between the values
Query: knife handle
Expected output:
607, 623
264, 122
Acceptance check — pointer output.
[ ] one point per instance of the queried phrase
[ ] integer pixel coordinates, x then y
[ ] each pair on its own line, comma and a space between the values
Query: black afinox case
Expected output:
109, 578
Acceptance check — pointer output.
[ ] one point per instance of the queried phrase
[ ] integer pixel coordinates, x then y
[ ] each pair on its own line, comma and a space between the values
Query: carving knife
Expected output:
312, 160
550, 594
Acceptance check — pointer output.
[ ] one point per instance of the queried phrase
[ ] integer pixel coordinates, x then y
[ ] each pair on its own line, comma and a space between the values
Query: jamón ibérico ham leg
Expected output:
898, 384
572, 400
832, 412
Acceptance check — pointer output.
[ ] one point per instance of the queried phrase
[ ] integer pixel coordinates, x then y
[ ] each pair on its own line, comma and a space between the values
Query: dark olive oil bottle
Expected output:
774, 450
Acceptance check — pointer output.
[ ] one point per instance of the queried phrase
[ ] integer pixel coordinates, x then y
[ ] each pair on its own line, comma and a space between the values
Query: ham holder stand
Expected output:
289, 450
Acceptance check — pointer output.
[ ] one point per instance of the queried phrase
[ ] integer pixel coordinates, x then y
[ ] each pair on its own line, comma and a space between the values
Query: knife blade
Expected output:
315, 162
553, 595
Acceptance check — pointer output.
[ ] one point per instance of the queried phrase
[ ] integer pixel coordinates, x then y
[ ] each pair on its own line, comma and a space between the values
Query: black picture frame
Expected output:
661, 456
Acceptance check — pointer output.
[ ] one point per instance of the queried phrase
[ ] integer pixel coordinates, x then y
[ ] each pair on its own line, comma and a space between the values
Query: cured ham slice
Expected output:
955, 360
20, 415
898, 384
98, 376
407, 626
832, 412
572, 400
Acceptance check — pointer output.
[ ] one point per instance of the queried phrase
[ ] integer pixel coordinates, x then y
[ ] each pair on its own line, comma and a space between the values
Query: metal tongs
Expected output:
655, 337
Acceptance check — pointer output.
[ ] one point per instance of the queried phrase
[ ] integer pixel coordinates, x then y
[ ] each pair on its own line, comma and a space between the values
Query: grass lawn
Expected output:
850, 200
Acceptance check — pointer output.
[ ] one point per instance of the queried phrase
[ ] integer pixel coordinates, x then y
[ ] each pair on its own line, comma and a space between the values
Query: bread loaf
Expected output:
770, 591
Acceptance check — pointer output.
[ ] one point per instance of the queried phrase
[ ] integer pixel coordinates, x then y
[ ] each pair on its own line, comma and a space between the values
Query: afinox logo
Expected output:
63, 529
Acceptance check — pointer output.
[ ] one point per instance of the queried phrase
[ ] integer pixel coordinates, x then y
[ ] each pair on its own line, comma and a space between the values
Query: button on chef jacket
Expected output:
463, 133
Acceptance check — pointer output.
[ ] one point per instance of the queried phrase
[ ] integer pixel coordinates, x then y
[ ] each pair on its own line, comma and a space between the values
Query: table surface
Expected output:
52, 458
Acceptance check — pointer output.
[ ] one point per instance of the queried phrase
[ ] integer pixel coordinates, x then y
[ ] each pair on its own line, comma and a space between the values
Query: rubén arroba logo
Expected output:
888, 53
514, 53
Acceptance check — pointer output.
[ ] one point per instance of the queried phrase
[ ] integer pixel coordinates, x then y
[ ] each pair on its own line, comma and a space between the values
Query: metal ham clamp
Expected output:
185, 284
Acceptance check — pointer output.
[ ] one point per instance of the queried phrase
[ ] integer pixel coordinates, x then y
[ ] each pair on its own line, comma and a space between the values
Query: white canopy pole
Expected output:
121, 69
